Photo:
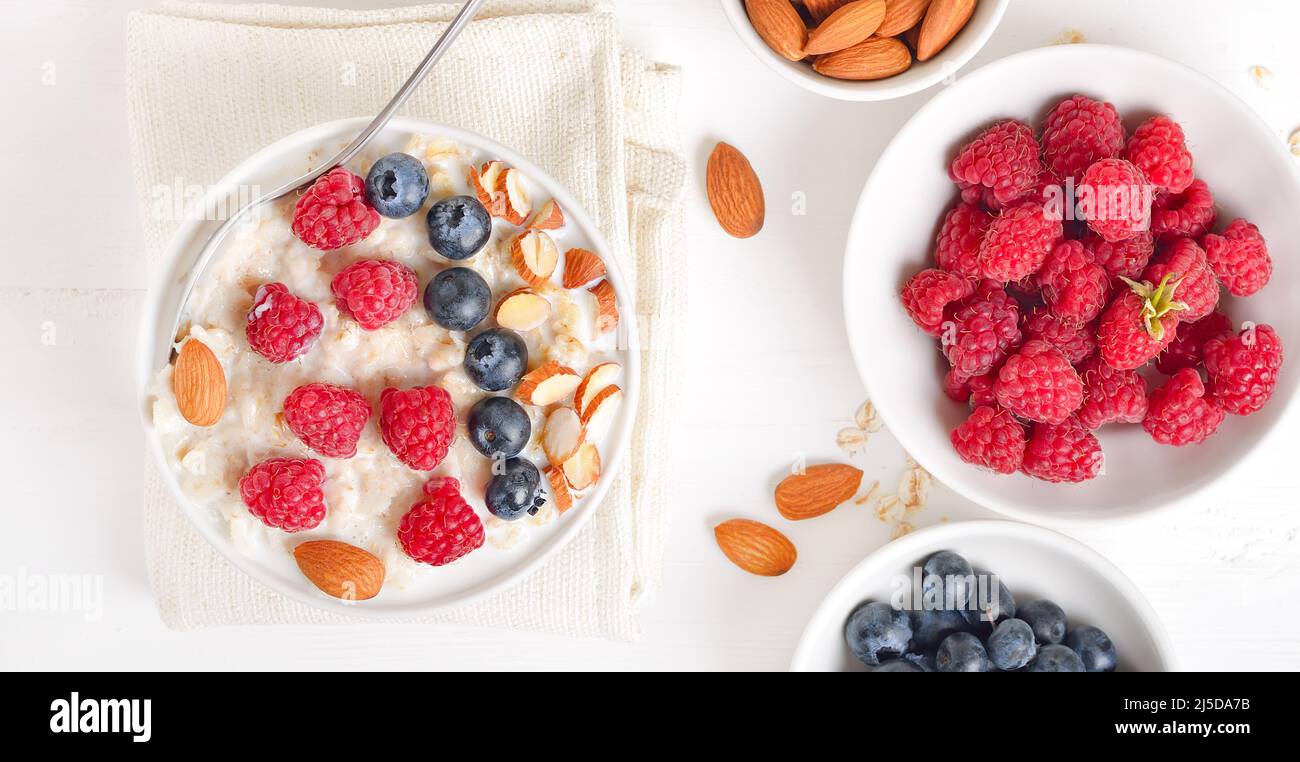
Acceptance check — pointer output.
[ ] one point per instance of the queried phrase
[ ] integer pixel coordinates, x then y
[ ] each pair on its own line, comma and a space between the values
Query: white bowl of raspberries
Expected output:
1068, 284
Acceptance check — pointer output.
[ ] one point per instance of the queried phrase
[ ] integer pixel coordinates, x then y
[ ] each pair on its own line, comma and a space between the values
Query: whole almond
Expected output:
847, 26
734, 191
817, 491
199, 384
873, 58
778, 23
340, 570
755, 547
943, 20
820, 9
901, 15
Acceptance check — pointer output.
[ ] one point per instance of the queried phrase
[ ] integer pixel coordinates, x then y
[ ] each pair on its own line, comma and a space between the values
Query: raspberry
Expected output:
280, 325
328, 419
1065, 452
1239, 257
1128, 257
1111, 396
990, 438
1159, 149
1189, 213
417, 424
1138, 325
442, 527
1017, 241
334, 212
375, 292
1078, 132
957, 248
1074, 287
927, 294
1185, 351
977, 390
1180, 413
1115, 199
1077, 341
1002, 158
1243, 368
285, 493
1188, 271
1038, 384
982, 329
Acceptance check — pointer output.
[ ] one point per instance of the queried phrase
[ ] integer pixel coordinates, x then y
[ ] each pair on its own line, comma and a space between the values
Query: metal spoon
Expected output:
453, 30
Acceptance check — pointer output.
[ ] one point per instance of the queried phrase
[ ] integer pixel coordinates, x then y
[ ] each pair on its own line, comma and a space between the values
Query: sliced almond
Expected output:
549, 217
199, 384
735, 194
873, 58
563, 435
900, 16
522, 310
778, 23
600, 413
817, 491
581, 267
943, 20
547, 384
582, 469
483, 181
340, 570
755, 547
559, 488
599, 377
606, 306
850, 24
534, 256
510, 184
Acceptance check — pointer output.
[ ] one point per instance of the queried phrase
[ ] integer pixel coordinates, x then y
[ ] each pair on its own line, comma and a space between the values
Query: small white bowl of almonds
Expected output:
865, 50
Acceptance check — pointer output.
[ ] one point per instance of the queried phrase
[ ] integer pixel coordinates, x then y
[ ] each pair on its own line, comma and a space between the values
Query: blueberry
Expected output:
951, 571
1011, 646
397, 185
1054, 657
962, 652
515, 491
458, 227
897, 665
1094, 647
930, 627
877, 631
982, 612
923, 660
1045, 618
499, 427
496, 359
458, 298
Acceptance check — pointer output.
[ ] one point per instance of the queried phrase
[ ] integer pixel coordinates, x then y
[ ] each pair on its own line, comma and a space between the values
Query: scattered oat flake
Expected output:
868, 495
545, 515
889, 508
507, 538
866, 418
851, 440
1294, 143
1069, 37
901, 529
1262, 75
914, 488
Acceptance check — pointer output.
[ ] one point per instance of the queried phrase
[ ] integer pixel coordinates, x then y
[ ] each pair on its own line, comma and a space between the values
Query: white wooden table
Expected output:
71, 284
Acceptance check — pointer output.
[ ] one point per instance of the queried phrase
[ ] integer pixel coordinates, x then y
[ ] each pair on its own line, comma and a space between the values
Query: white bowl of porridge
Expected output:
569, 306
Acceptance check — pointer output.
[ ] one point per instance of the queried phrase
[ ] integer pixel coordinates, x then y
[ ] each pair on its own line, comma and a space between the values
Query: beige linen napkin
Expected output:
207, 85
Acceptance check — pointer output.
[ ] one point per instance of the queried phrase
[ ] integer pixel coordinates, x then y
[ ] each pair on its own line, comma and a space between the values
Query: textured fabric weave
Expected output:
207, 85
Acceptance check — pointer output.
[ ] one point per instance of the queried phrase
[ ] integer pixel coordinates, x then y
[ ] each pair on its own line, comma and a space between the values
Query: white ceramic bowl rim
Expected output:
968, 42
156, 318
867, 369
916, 545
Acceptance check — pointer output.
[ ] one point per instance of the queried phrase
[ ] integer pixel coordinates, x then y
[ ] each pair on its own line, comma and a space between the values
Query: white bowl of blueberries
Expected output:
984, 596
